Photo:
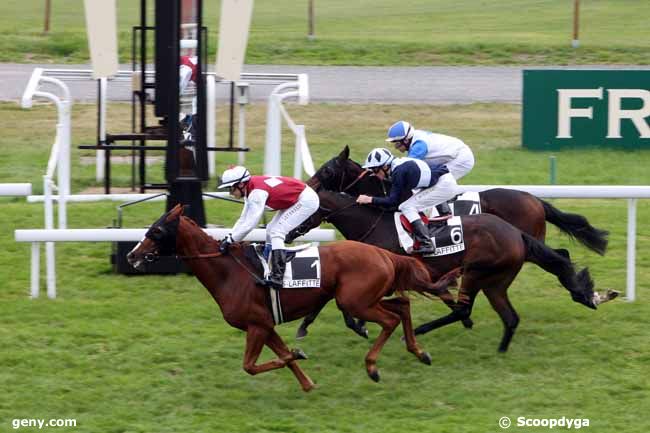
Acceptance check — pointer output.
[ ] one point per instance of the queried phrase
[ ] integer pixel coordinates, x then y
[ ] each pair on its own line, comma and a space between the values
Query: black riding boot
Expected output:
278, 265
443, 209
421, 235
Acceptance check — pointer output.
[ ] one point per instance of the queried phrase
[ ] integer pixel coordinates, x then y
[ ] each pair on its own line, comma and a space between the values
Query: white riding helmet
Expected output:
233, 176
400, 131
378, 157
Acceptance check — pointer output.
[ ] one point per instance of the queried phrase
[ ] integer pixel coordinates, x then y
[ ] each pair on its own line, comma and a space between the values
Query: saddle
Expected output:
433, 224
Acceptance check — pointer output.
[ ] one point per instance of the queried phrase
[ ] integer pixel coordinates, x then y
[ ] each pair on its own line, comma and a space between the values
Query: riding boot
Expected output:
443, 209
278, 265
421, 235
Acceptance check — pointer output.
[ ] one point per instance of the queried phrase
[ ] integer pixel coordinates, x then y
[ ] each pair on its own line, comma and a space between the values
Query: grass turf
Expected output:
365, 32
153, 354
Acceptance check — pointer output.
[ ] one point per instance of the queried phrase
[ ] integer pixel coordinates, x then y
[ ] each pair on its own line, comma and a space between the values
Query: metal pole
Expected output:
242, 134
310, 12
48, 9
575, 43
553, 170
35, 265
630, 292
211, 126
101, 128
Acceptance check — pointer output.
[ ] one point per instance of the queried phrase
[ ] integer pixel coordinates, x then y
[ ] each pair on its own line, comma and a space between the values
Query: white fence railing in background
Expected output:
60, 154
127, 77
36, 237
275, 113
631, 193
15, 189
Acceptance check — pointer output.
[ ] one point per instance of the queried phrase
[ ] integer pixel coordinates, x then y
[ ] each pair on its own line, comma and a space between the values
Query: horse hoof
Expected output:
374, 374
363, 332
301, 333
468, 323
309, 386
425, 358
299, 354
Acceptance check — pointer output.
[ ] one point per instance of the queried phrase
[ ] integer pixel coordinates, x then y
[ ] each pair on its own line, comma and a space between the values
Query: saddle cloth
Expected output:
447, 238
467, 203
302, 271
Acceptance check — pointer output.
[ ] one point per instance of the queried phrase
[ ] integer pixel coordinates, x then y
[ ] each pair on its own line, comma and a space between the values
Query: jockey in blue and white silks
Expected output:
432, 147
432, 184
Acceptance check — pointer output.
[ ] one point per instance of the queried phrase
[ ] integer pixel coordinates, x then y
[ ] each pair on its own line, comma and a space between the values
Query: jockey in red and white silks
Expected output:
292, 198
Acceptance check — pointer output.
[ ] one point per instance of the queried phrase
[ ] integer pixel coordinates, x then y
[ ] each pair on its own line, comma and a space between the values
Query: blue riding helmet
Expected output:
400, 131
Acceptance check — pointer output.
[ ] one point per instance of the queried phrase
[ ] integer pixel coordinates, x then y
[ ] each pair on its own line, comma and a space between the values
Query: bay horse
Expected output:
358, 276
521, 209
494, 253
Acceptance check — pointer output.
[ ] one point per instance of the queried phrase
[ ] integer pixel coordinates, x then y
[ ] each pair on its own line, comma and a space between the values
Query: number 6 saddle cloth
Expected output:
447, 238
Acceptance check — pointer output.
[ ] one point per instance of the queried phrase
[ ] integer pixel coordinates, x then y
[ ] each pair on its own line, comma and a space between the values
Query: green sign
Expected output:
586, 108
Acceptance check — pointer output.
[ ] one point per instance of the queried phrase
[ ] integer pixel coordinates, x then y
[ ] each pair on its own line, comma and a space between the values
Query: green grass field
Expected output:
371, 32
153, 354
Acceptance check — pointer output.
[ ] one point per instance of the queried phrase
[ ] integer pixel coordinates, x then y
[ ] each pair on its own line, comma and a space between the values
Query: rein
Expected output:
338, 211
152, 257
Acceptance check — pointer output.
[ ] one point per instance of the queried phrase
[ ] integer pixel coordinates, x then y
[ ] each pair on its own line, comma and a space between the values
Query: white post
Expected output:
35, 268
297, 156
272, 159
63, 168
241, 156
49, 246
101, 154
630, 291
211, 123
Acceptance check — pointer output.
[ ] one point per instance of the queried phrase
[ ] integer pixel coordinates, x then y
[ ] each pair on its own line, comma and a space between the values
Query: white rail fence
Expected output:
49, 236
631, 193
15, 189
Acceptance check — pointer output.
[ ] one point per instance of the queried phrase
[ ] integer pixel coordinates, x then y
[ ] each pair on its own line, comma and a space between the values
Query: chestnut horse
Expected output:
494, 253
357, 275
521, 209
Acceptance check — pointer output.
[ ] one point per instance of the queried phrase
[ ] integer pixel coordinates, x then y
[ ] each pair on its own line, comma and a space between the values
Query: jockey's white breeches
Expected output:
288, 219
445, 189
462, 164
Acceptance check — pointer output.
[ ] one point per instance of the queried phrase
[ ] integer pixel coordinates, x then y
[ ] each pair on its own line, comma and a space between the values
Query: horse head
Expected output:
343, 174
159, 240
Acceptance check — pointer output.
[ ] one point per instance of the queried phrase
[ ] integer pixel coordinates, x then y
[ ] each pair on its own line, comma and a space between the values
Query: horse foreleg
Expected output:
357, 326
256, 337
462, 311
276, 344
308, 320
402, 307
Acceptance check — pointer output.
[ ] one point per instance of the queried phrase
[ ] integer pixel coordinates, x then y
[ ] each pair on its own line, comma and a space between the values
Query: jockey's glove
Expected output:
225, 244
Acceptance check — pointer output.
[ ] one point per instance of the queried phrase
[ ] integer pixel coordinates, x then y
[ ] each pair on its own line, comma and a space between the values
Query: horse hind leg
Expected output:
498, 296
388, 322
402, 307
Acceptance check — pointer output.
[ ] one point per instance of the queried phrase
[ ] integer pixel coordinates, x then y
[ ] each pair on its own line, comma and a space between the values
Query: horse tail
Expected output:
410, 274
577, 227
558, 263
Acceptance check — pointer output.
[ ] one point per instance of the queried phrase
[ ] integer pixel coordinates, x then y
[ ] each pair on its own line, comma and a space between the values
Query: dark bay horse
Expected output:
521, 209
494, 253
358, 276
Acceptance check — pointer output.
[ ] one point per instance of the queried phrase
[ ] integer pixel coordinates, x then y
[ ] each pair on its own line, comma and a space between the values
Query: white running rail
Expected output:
631, 193
49, 236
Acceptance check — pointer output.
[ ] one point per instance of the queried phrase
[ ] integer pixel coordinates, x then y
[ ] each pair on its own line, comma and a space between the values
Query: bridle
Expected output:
153, 256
